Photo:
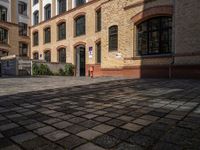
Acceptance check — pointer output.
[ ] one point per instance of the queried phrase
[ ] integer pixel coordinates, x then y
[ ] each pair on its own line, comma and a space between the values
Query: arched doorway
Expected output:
80, 60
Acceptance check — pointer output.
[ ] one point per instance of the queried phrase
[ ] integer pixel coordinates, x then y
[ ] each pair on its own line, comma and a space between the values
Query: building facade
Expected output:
14, 28
136, 38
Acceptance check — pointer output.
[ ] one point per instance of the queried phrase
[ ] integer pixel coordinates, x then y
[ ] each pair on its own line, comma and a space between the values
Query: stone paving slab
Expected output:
126, 114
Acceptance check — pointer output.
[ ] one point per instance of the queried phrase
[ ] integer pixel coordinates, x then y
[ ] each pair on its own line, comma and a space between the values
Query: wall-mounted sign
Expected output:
90, 52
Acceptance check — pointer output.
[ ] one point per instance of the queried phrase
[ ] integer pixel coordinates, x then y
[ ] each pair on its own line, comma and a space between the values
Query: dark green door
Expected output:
82, 61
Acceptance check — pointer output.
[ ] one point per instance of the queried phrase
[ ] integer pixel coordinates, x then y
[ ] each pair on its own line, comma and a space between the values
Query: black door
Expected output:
82, 61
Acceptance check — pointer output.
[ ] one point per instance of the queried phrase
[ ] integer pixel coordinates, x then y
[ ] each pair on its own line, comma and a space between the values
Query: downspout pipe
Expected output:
173, 41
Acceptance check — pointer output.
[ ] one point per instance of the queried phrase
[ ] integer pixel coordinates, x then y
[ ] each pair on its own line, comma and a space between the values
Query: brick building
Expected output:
137, 38
14, 27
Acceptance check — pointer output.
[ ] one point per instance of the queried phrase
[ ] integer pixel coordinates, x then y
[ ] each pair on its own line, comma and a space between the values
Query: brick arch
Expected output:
79, 43
79, 14
4, 27
34, 31
45, 50
61, 46
61, 21
165, 10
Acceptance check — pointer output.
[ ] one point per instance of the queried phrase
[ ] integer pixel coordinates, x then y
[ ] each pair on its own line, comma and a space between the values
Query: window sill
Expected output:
23, 15
152, 56
61, 40
113, 50
47, 43
76, 36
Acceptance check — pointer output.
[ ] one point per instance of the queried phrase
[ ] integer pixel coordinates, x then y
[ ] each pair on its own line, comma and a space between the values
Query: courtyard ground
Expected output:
123, 114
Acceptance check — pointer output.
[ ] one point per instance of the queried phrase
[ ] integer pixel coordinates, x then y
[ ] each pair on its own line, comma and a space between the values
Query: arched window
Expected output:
155, 36
62, 55
3, 36
80, 26
35, 38
47, 35
98, 20
47, 12
61, 6
113, 38
35, 56
61, 31
79, 2
3, 13
36, 17
47, 56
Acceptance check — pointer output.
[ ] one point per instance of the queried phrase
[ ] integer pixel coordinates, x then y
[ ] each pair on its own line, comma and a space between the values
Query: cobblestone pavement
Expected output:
116, 115
15, 85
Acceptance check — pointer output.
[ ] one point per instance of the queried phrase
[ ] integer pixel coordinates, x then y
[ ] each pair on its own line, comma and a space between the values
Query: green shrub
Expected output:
69, 70
35, 69
61, 72
41, 69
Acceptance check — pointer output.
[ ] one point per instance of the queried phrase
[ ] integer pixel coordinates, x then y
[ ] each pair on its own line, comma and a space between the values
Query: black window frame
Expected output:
35, 38
113, 38
36, 17
62, 55
3, 36
98, 52
47, 56
22, 8
79, 2
23, 49
3, 13
146, 34
80, 25
98, 20
23, 29
62, 6
47, 35
47, 12
61, 27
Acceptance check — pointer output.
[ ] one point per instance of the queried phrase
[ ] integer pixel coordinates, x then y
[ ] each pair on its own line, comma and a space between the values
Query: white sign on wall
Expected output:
90, 52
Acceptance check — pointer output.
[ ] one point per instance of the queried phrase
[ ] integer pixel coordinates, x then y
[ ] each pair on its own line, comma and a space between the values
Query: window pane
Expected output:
113, 38
154, 42
3, 13
61, 6
62, 55
143, 43
47, 12
98, 47
80, 2
3, 36
80, 26
23, 50
154, 24
62, 31
98, 20
155, 36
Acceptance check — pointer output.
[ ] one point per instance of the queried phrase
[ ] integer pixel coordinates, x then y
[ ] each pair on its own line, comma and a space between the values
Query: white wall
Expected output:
34, 8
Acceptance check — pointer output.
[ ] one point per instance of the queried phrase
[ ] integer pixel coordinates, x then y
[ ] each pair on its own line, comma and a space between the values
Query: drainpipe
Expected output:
173, 40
